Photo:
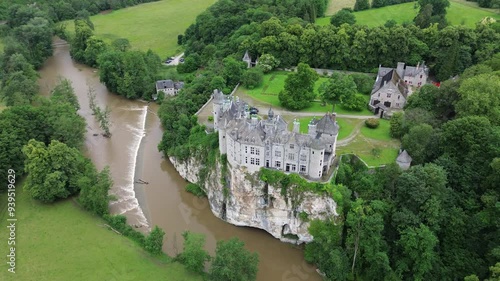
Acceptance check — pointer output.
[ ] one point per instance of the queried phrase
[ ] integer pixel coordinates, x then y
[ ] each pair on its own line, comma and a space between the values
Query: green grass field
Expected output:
374, 153
62, 242
457, 14
274, 82
382, 132
152, 25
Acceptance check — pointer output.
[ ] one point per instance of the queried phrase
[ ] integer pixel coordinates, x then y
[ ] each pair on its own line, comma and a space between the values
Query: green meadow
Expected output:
274, 82
61, 241
457, 14
374, 146
152, 25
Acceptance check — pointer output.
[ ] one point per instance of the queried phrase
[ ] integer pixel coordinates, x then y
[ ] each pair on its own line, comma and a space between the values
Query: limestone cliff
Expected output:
247, 201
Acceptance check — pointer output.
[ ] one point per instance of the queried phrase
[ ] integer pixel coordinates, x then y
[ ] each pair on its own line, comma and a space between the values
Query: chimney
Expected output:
311, 128
401, 68
296, 126
418, 65
333, 116
254, 120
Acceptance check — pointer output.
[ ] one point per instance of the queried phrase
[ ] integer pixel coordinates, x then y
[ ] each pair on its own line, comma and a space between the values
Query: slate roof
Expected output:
390, 76
274, 129
404, 157
164, 84
327, 125
416, 70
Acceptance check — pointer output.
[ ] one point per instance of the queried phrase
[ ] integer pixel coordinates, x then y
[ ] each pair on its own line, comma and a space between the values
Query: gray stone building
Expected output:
393, 86
255, 143
248, 59
168, 87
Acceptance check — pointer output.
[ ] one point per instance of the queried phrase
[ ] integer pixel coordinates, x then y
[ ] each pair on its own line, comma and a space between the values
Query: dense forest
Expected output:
440, 219
63, 9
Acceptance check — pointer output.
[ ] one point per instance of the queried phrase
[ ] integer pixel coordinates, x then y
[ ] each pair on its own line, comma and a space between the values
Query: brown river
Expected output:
131, 153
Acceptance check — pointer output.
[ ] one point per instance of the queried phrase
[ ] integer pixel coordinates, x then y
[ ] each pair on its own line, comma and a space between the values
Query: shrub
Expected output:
372, 123
196, 190
154, 242
304, 216
210, 118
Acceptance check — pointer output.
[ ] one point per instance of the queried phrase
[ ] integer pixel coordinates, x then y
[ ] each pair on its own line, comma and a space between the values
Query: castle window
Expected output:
321, 152
292, 146
378, 94
252, 150
252, 161
246, 149
257, 151
303, 157
257, 161
246, 160
397, 104
320, 162
294, 168
291, 156
319, 173
278, 164
302, 168
313, 152
277, 153
420, 76
388, 95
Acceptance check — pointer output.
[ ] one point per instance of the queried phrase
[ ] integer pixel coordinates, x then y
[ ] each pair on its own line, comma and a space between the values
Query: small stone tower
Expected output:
247, 59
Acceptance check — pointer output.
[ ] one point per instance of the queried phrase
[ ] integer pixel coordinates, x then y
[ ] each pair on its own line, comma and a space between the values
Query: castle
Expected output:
255, 143
394, 85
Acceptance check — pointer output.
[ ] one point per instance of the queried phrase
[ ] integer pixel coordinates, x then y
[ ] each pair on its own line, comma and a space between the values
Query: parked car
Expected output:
181, 60
253, 110
168, 61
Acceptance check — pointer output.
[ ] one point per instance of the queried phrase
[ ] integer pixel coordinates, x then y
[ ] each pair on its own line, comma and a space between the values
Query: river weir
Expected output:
134, 160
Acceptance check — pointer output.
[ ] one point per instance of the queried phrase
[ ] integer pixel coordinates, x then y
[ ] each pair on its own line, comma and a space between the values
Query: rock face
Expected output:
247, 201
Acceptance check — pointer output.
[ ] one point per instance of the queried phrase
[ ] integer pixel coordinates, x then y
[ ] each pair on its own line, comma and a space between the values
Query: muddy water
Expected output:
131, 153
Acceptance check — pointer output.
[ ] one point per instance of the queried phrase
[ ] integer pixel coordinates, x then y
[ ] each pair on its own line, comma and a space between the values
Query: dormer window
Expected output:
292, 146
388, 95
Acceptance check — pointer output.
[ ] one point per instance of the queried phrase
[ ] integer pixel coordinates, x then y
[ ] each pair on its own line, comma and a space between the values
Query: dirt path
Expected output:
352, 136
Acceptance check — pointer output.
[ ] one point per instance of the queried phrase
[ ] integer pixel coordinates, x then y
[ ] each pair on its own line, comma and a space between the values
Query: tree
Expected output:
252, 78
194, 256
64, 93
354, 102
94, 190
121, 44
233, 71
424, 16
341, 17
299, 88
364, 83
268, 62
180, 38
233, 262
418, 143
379, 3
417, 244
102, 117
396, 122
94, 48
53, 171
154, 241
338, 89
479, 96
361, 5
83, 32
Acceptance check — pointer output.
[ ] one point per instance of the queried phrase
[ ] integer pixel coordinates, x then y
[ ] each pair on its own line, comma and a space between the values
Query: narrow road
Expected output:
176, 60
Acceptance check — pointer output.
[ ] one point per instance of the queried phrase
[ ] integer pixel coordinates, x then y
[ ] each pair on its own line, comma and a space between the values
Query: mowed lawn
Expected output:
457, 14
337, 5
274, 82
374, 146
152, 25
62, 242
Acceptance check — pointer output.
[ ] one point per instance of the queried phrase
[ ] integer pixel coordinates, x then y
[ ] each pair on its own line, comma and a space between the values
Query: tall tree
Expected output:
194, 256
233, 262
154, 241
299, 88
339, 88
361, 5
